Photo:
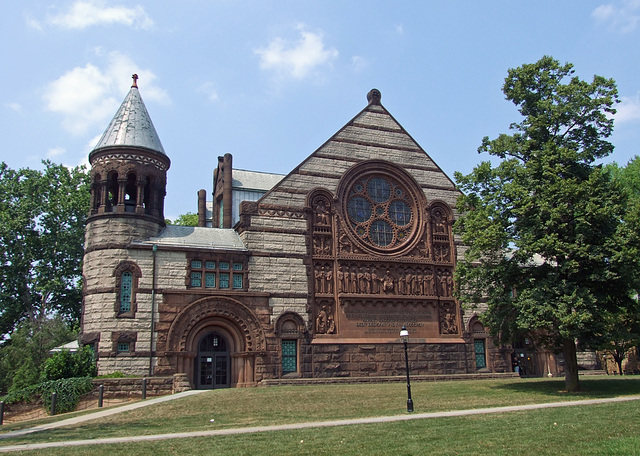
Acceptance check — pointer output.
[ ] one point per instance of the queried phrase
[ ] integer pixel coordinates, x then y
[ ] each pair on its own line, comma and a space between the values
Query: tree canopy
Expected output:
42, 215
548, 250
188, 219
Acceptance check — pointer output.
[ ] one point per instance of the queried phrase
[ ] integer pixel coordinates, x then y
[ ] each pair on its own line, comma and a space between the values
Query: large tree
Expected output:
548, 251
42, 215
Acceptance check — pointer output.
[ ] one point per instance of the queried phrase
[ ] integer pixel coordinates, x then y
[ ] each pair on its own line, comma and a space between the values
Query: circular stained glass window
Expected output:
399, 212
359, 209
380, 211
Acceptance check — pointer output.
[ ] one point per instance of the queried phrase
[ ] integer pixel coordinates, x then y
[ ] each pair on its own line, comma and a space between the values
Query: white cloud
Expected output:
359, 63
15, 107
89, 96
55, 152
83, 14
209, 89
628, 110
296, 59
622, 17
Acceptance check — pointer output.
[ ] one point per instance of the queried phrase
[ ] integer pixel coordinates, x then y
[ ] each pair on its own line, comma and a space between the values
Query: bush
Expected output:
65, 364
68, 392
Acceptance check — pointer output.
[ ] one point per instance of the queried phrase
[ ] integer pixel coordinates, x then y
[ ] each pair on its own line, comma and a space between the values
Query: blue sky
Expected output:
270, 81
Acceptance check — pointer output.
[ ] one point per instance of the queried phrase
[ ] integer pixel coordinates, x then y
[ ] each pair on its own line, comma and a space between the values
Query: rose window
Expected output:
380, 211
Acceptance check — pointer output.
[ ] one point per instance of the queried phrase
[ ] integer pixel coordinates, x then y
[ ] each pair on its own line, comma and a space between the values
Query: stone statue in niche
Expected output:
388, 282
325, 323
340, 279
445, 280
448, 323
429, 284
319, 279
367, 281
376, 281
439, 221
322, 213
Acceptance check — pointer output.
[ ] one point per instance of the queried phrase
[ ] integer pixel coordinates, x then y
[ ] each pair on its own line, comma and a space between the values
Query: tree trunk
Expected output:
570, 365
619, 363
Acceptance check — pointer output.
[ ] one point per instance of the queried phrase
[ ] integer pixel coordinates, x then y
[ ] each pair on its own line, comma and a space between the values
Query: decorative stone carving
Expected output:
448, 320
325, 321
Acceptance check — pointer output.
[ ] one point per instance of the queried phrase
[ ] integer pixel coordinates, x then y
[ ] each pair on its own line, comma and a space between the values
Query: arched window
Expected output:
126, 289
127, 275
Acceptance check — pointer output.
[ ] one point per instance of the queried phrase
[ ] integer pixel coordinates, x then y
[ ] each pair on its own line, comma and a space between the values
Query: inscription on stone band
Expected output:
375, 323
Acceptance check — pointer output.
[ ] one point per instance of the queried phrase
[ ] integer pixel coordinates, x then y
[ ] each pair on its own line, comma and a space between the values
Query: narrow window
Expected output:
210, 279
289, 356
237, 281
224, 280
126, 285
196, 279
481, 358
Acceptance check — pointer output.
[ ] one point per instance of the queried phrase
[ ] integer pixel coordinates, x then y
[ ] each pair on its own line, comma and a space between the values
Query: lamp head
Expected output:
404, 334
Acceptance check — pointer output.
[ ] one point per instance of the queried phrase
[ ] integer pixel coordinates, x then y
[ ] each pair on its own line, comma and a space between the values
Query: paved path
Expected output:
281, 427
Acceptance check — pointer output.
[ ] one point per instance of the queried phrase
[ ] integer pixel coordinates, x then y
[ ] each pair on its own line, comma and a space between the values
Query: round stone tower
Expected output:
129, 176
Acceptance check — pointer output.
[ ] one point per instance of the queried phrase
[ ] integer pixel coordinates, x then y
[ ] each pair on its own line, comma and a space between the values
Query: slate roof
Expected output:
254, 180
199, 237
131, 126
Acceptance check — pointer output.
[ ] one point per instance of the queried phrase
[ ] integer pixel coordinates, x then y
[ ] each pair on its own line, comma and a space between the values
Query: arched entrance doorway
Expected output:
212, 366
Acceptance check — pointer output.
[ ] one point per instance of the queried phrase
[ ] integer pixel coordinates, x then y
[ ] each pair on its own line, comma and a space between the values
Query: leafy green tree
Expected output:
188, 219
42, 215
547, 249
22, 356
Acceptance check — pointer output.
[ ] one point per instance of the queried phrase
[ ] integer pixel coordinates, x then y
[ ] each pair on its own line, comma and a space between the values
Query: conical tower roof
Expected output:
131, 126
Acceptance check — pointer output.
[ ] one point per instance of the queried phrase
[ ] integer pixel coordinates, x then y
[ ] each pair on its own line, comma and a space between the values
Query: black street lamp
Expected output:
404, 335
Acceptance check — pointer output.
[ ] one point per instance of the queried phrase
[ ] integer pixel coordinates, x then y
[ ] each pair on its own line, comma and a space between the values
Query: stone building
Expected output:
307, 275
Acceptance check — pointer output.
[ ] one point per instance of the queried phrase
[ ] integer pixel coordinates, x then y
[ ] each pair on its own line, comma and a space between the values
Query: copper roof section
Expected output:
131, 126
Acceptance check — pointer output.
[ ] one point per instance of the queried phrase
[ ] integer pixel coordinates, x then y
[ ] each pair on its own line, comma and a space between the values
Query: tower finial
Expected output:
374, 96
135, 81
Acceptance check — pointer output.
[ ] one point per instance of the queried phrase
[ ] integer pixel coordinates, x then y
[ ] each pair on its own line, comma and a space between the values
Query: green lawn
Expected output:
594, 429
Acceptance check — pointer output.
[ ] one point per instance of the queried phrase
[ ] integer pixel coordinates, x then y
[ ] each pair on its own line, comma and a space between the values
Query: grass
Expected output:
490, 434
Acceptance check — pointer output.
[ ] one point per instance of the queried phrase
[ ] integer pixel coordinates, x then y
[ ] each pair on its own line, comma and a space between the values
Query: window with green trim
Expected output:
481, 355
123, 347
126, 289
289, 356
213, 274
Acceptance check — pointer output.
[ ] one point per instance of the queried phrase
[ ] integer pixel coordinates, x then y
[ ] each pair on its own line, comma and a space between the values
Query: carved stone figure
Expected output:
325, 323
367, 281
428, 283
375, 282
329, 278
439, 222
345, 243
448, 323
322, 213
387, 283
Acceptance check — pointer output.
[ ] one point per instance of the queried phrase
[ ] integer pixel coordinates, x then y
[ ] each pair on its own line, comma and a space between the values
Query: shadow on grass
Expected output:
599, 387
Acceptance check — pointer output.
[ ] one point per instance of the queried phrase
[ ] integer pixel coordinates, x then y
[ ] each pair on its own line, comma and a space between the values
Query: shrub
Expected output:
65, 364
68, 392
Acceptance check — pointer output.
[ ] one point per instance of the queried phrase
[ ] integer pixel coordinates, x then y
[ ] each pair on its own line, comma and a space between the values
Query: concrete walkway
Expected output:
281, 427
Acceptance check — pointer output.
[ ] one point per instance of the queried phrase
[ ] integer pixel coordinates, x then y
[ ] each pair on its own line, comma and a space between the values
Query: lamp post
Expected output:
404, 335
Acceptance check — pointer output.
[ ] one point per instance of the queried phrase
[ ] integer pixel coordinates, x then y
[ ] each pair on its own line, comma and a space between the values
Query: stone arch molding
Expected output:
225, 309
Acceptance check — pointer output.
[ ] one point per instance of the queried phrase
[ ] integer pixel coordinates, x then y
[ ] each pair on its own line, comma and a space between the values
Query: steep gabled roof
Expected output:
373, 134
131, 126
